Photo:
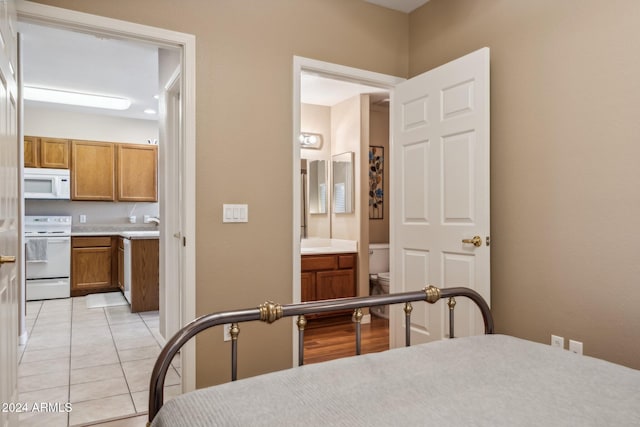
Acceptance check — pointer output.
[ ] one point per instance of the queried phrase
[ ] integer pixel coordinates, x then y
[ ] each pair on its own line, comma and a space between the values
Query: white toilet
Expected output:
379, 275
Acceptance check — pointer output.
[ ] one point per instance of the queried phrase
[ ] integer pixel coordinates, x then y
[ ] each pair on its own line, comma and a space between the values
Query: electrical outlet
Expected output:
226, 334
557, 341
83, 219
575, 346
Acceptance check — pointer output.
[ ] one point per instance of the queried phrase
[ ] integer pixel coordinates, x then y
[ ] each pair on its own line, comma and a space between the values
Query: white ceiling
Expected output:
406, 6
321, 90
74, 61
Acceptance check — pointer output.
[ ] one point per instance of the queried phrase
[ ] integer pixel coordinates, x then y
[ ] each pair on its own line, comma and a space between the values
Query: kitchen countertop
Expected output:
129, 232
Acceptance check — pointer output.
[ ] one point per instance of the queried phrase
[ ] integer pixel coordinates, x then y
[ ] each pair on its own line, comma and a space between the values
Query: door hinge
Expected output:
488, 240
184, 241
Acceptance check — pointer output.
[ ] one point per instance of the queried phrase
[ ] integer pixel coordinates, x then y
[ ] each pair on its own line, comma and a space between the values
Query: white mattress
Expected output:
490, 380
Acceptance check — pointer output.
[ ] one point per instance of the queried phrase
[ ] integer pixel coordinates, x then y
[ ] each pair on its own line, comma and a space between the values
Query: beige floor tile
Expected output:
43, 367
90, 349
134, 421
95, 361
101, 409
124, 331
128, 343
40, 419
52, 395
138, 374
108, 356
48, 354
98, 389
47, 342
42, 381
92, 340
141, 398
102, 331
96, 373
89, 322
139, 353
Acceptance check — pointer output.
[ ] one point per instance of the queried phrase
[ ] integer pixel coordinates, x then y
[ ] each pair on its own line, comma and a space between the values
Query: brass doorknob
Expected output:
5, 259
476, 241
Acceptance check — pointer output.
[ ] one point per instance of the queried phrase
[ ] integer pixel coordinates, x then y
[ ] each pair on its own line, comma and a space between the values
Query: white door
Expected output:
9, 205
440, 190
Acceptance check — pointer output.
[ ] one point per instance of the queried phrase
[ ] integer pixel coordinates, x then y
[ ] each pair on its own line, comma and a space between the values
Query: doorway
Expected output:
375, 88
177, 181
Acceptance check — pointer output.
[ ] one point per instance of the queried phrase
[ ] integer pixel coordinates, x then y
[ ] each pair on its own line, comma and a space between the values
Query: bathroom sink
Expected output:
327, 246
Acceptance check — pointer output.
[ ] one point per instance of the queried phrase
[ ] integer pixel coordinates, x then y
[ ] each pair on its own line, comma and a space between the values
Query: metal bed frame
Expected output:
269, 312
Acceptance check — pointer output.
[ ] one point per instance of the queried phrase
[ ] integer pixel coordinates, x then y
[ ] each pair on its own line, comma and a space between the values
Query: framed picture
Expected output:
376, 182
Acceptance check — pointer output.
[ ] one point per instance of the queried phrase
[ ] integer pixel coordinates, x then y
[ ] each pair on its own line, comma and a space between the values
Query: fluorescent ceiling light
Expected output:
75, 98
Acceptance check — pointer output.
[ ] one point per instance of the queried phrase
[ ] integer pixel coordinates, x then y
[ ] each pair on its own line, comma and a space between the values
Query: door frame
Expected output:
54, 16
338, 72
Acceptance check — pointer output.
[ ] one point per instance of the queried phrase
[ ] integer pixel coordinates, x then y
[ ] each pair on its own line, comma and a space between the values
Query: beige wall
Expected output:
379, 136
244, 150
565, 205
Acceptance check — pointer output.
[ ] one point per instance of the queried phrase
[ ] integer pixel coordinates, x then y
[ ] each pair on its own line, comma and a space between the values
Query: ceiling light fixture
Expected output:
310, 140
75, 98
150, 111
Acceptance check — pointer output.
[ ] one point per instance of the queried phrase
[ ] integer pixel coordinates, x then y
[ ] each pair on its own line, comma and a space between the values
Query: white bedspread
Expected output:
491, 380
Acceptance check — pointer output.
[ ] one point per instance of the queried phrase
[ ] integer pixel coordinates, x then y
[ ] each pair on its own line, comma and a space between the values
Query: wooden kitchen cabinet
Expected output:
327, 277
92, 266
137, 172
42, 152
145, 275
31, 152
121, 263
93, 170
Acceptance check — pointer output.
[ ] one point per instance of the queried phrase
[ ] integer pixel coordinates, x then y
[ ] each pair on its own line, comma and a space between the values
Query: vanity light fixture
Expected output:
310, 140
75, 98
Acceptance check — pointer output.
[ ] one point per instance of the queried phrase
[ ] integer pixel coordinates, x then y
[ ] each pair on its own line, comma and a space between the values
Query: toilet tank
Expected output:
378, 258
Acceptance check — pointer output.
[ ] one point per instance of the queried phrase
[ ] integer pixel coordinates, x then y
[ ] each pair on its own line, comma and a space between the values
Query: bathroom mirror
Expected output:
317, 173
342, 182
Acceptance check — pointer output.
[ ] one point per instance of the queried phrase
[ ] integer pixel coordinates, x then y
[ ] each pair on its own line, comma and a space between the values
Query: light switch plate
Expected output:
235, 213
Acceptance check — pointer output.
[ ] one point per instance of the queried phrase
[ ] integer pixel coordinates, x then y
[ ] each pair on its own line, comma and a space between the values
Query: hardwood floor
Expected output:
333, 338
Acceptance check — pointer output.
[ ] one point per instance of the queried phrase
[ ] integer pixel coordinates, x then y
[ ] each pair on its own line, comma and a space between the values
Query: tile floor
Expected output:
97, 359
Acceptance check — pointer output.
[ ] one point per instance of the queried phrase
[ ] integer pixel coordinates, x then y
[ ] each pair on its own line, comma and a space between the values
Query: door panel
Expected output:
440, 185
9, 211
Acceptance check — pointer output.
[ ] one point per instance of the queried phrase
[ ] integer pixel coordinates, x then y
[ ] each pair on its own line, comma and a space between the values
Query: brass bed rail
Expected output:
270, 312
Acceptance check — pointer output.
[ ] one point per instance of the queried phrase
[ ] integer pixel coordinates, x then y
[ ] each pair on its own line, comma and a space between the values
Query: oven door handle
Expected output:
58, 239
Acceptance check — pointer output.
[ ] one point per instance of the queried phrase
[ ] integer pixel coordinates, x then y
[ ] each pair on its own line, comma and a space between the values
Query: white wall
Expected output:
57, 123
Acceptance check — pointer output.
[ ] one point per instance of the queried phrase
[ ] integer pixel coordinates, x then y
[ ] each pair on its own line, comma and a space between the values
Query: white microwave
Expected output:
44, 183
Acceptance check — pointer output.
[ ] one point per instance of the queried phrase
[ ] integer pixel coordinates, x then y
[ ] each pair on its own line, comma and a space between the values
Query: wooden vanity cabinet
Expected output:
327, 277
41, 152
92, 266
93, 170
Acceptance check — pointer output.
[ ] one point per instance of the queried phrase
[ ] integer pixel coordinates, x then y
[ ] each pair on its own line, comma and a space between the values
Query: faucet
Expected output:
153, 219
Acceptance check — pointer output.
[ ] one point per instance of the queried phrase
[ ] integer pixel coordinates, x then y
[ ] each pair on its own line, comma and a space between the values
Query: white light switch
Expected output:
235, 213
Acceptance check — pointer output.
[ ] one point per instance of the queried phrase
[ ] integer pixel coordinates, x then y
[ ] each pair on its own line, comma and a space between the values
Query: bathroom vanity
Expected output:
328, 276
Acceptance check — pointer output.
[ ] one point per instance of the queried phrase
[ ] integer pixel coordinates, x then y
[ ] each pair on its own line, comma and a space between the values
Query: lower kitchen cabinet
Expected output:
141, 273
92, 266
327, 277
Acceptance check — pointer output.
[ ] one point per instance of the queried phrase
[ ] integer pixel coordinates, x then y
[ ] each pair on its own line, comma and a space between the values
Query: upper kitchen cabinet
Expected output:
46, 152
93, 170
137, 173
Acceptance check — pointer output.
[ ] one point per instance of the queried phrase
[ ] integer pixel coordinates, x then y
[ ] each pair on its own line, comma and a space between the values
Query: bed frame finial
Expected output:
433, 294
270, 311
